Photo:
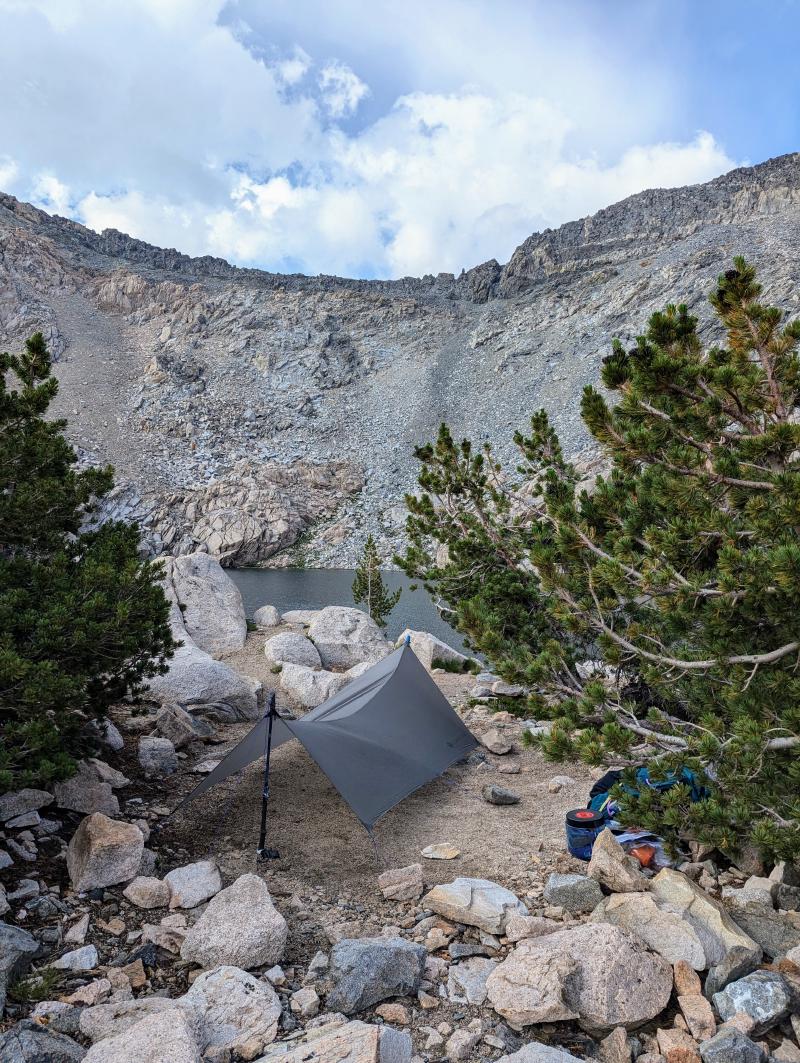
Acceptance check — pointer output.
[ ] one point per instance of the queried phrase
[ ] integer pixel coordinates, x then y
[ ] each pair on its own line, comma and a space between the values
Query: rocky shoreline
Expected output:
118, 943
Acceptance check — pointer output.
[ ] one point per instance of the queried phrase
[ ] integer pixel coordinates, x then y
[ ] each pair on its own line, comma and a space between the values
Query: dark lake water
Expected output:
314, 588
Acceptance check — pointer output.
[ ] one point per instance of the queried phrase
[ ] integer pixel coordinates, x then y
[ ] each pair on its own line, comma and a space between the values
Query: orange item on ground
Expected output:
644, 854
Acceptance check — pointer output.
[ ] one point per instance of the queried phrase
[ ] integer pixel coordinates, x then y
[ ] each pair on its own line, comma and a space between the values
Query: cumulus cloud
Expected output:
342, 89
176, 123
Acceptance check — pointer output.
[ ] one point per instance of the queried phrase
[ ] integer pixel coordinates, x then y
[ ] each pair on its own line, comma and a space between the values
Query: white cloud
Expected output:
294, 67
9, 171
155, 118
50, 194
342, 89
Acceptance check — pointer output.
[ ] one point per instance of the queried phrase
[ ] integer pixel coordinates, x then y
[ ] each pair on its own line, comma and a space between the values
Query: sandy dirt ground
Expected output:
321, 842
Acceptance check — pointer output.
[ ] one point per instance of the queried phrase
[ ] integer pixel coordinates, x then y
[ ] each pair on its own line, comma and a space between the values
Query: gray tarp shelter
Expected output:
386, 734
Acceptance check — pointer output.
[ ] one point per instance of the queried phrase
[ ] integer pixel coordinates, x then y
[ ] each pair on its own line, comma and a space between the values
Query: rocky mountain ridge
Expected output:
267, 418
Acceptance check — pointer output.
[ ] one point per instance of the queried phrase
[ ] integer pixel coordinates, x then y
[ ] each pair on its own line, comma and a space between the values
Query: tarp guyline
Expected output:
384, 735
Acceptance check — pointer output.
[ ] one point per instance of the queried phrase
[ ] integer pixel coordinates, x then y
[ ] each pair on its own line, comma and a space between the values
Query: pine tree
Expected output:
369, 588
83, 620
680, 570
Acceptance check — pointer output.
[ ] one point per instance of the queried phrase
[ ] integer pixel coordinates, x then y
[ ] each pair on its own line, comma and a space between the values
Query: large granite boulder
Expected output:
476, 902
236, 1012
240, 928
103, 852
210, 603
193, 677
346, 637
664, 931
290, 647
429, 649
600, 975
310, 687
714, 928
364, 971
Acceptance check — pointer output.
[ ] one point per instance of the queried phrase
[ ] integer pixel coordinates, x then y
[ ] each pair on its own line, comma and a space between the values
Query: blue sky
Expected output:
377, 138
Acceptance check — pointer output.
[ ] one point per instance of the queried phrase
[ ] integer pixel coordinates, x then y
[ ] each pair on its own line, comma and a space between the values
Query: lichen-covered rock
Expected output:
476, 902
157, 757
364, 971
600, 975
576, 894
103, 852
235, 1011
763, 995
240, 928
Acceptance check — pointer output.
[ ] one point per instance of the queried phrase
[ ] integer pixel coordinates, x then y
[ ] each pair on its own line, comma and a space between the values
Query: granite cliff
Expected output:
264, 417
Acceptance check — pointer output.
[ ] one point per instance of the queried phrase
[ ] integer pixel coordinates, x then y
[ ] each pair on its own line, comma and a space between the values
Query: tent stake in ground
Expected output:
263, 852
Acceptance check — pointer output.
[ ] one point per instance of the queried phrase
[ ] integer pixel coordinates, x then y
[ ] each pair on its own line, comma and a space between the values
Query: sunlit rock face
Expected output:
266, 418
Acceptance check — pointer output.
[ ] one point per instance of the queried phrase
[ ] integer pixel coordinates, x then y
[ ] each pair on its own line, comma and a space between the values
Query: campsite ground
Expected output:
322, 844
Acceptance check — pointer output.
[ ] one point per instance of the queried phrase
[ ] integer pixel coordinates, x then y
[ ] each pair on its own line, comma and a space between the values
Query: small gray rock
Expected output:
731, 1046
499, 795
21, 801
28, 1042
157, 757
17, 949
364, 971
575, 893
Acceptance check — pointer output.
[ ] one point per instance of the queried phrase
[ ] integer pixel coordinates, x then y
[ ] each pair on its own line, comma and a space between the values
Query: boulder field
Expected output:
120, 945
